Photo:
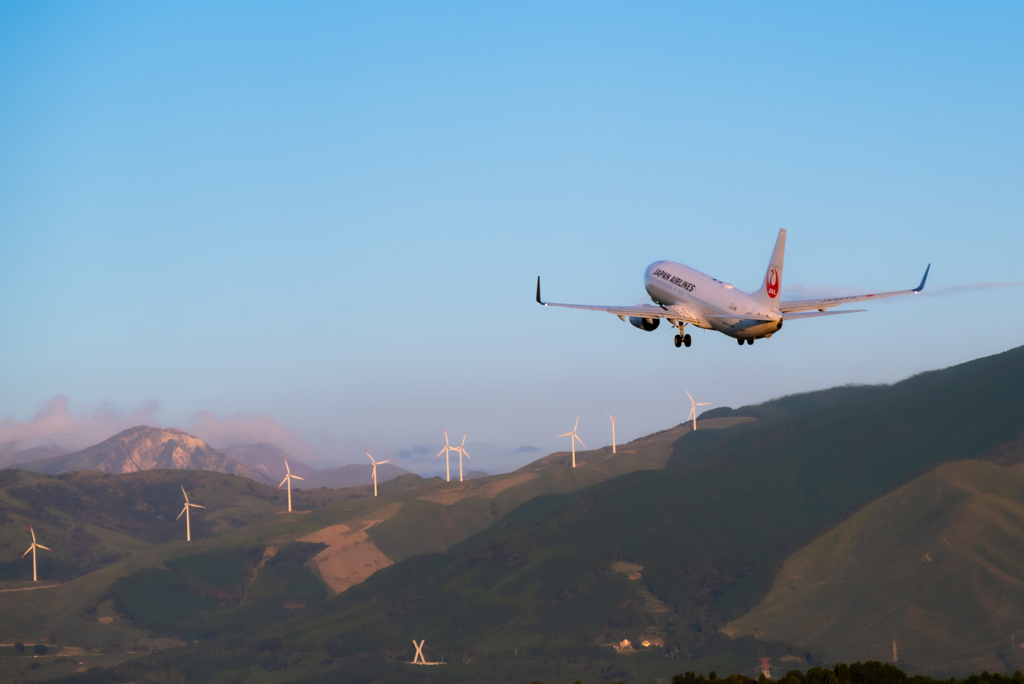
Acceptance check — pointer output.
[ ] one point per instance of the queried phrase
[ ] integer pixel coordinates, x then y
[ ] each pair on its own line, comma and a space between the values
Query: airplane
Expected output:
683, 296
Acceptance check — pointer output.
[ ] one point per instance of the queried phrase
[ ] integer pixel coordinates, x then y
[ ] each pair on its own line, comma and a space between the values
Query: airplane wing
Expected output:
829, 302
675, 312
815, 314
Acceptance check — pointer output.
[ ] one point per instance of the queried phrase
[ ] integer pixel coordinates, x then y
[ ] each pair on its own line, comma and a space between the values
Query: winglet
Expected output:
538, 292
918, 289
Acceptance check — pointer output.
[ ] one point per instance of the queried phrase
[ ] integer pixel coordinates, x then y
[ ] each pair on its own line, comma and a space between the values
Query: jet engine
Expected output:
647, 324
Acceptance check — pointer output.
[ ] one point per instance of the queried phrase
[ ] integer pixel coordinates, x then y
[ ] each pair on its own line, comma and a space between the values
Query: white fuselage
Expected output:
670, 284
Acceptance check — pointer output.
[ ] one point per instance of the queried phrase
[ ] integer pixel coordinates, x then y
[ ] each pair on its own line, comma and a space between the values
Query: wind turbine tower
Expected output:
693, 409
462, 452
613, 419
445, 450
35, 576
375, 464
188, 524
573, 437
288, 478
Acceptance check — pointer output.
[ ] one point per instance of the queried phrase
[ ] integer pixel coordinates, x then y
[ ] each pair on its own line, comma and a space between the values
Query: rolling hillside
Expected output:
668, 556
536, 574
92, 520
937, 566
334, 524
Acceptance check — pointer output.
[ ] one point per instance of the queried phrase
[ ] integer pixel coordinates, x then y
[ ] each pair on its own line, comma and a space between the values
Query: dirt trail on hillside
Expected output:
45, 586
350, 556
468, 489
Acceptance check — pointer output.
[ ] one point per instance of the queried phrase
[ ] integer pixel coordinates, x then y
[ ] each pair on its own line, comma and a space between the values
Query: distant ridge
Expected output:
268, 461
351, 475
11, 454
144, 448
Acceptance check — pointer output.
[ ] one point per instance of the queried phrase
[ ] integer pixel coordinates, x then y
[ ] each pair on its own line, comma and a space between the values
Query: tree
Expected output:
19, 647
40, 649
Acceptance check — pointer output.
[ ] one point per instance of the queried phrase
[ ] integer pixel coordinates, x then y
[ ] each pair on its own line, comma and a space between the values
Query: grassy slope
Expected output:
425, 525
238, 519
102, 527
711, 531
937, 565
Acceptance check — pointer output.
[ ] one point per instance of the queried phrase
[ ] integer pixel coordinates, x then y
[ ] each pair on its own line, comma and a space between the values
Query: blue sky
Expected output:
333, 215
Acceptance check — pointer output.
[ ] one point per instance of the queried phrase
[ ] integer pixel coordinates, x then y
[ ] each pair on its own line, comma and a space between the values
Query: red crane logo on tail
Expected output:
773, 282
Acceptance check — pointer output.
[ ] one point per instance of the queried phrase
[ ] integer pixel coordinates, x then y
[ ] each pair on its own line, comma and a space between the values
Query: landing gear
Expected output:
739, 341
682, 338
750, 340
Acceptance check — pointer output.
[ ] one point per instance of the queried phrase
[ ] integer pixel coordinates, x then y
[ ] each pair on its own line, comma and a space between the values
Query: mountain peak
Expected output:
145, 448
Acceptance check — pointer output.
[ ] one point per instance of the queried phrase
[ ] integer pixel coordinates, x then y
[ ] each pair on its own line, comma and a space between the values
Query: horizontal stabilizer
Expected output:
815, 314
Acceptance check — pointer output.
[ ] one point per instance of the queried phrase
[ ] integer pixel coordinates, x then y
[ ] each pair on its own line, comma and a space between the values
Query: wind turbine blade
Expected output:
445, 436
196, 506
383, 462
565, 435
368, 455
464, 439
577, 437
40, 546
296, 477
688, 394
33, 534
283, 481
182, 512
287, 469
26, 553
577, 424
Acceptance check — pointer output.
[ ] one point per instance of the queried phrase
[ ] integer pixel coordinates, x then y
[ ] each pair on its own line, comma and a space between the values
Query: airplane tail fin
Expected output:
771, 288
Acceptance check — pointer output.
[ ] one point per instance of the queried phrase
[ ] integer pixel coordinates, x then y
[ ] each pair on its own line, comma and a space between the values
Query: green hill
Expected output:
538, 593
937, 566
161, 590
534, 574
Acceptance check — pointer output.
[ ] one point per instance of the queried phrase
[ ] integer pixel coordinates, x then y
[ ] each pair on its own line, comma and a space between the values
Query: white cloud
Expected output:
56, 424
252, 428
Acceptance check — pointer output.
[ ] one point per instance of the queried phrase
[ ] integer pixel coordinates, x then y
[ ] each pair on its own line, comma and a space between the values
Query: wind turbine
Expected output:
445, 450
375, 464
184, 511
35, 577
693, 409
462, 452
288, 478
613, 418
572, 438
